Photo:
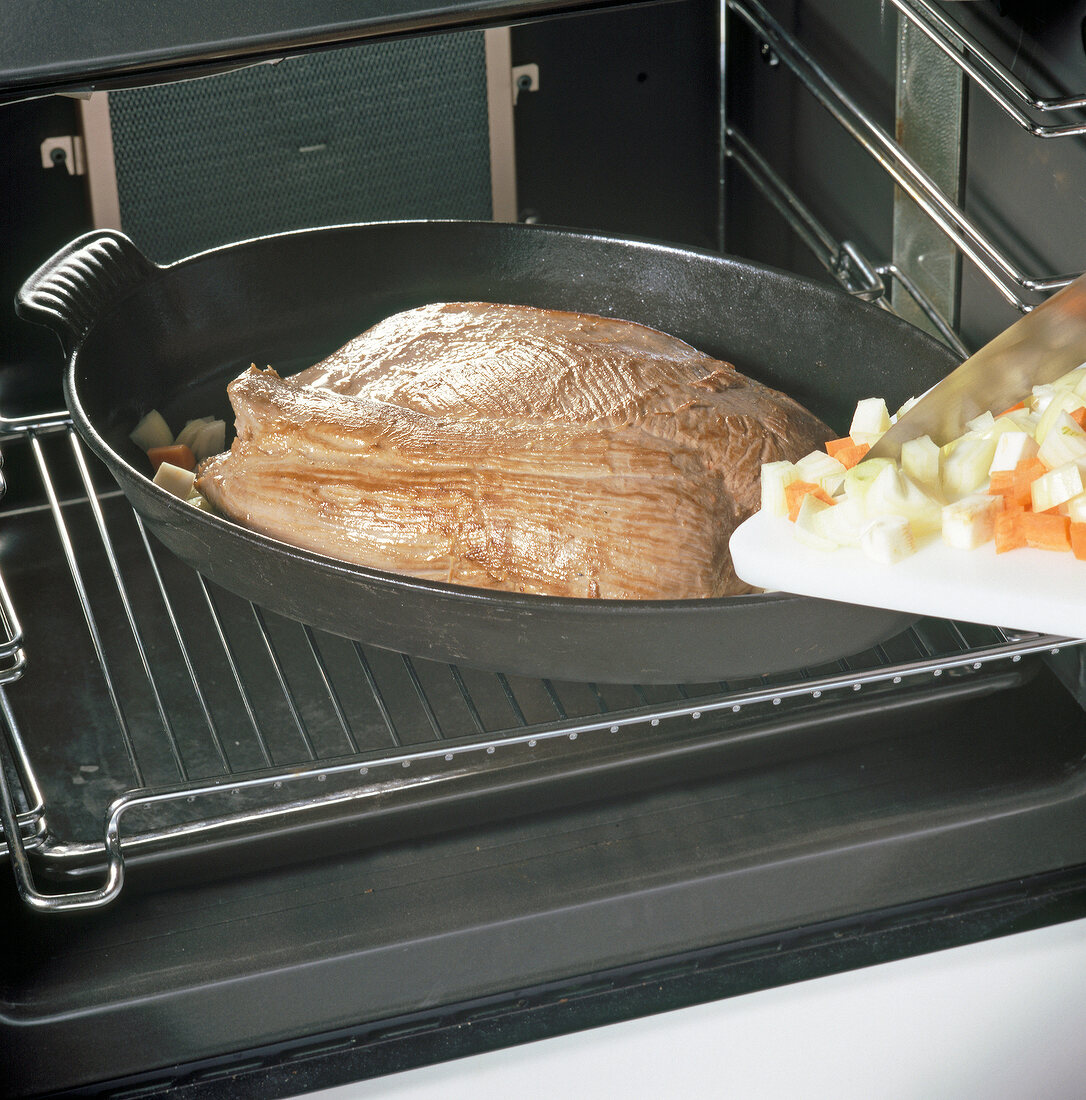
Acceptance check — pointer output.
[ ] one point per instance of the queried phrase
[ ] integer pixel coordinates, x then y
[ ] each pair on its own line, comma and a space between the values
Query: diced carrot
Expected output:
1045, 531
850, 456
1012, 408
1079, 416
1078, 540
832, 446
1001, 483
177, 454
1008, 531
1025, 474
794, 494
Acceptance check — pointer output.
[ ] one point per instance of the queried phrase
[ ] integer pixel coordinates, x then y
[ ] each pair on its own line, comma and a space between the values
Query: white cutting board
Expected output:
1035, 590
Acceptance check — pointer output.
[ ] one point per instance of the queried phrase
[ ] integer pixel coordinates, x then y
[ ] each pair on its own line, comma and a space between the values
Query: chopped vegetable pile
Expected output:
174, 458
1014, 478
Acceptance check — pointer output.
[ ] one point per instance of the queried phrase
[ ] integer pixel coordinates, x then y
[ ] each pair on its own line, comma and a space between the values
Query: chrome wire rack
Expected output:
159, 712
1014, 285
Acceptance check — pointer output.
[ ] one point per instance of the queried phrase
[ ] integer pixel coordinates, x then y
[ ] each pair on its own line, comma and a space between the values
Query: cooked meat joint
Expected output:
510, 447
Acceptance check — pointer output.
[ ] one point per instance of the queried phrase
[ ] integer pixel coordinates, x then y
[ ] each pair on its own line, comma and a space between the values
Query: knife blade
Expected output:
1040, 347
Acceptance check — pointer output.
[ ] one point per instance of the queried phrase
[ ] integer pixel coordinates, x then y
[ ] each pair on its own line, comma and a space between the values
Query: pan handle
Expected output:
85, 278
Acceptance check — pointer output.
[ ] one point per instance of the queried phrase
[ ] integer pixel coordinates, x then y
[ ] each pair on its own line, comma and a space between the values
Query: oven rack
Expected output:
843, 259
227, 720
999, 269
991, 75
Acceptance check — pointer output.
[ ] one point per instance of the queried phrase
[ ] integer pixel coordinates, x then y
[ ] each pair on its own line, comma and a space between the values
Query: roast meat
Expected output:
508, 447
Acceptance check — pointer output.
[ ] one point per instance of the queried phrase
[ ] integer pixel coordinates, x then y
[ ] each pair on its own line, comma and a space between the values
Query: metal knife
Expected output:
1040, 347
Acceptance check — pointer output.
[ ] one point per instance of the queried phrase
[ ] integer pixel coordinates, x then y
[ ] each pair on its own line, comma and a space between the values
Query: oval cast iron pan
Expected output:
139, 336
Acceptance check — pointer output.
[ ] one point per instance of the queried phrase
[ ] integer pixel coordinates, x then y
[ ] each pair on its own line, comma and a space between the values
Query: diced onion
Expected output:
151, 431
776, 477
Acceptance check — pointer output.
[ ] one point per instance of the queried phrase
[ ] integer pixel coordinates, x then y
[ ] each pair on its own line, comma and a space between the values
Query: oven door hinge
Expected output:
64, 151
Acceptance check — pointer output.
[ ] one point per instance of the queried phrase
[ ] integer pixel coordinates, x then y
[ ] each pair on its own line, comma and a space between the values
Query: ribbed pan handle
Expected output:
82, 281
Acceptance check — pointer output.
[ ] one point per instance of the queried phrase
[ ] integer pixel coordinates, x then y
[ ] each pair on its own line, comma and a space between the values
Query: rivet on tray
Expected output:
654, 722
856, 687
1053, 652
448, 756
405, 764
573, 737
897, 679
532, 744
976, 664
1016, 658
736, 708
777, 701
490, 750
696, 714
614, 729
277, 784
362, 771
816, 694
321, 778
938, 672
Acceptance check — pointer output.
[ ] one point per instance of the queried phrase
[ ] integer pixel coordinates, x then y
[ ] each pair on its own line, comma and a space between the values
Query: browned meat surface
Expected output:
510, 447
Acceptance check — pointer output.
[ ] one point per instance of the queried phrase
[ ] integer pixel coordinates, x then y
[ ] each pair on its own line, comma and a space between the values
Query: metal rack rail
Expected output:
224, 718
992, 76
844, 260
1001, 271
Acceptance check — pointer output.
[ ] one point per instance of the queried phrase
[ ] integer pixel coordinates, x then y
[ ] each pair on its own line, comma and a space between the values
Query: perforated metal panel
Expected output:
378, 131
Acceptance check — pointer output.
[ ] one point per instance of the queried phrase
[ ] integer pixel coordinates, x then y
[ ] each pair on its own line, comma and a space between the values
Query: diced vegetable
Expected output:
847, 451
1012, 448
151, 431
210, 440
893, 493
1008, 533
205, 436
834, 445
844, 523
1063, 401
175, 480
920, 460
966, 462
1077, 532
797, 490
820, 468
970, 522
1065, 442
776, 477
1054, 488
177, 454
191, 430
1045, 532
1075, 509
888, 539
871, 418
858, 480
983, 423
807, 522
1017, 479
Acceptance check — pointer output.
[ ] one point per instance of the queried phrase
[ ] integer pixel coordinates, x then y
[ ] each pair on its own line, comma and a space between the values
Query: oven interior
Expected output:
248, 855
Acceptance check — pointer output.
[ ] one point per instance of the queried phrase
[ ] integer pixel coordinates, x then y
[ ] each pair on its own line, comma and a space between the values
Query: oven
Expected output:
250, 858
